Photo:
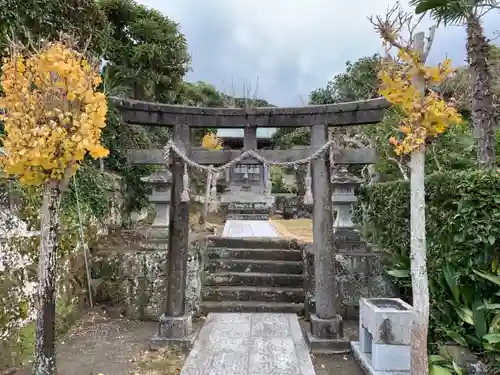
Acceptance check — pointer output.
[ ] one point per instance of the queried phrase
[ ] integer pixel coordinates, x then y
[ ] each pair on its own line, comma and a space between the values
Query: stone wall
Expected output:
133, 282
359, 273
290, 207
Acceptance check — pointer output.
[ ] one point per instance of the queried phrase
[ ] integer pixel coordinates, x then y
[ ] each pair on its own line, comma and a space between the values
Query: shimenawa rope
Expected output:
171, 148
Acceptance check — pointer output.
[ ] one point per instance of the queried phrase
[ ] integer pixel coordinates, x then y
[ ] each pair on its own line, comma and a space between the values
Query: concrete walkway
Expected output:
249, 228
249, 344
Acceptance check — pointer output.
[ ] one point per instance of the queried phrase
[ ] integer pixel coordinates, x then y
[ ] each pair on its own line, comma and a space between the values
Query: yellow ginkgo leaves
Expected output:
53, 114
423, 117
210, 141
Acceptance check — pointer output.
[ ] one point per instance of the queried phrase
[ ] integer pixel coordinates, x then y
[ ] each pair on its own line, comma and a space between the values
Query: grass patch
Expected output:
299, 229
24, 345
27, 341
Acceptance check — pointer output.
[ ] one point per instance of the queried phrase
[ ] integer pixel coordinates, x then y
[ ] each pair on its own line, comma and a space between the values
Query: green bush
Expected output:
463, 234
119, 138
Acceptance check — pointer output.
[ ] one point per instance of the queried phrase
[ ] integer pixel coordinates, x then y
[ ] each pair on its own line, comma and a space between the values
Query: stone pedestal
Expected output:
327, 336
161, 183
344, 186
346, 235
359, 270
176, 331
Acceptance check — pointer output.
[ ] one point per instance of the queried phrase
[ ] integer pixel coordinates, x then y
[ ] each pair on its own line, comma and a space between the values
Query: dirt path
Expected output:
100, 344
335, 365
325, 364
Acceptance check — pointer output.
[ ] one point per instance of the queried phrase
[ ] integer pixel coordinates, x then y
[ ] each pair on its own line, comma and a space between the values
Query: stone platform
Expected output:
249, 344
249, 228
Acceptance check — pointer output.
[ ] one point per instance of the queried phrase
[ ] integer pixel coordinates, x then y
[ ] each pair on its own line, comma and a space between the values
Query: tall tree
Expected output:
146, 52
48, 131
146, 55
30, 21
469, 14
358, 82
199, 94
459, 87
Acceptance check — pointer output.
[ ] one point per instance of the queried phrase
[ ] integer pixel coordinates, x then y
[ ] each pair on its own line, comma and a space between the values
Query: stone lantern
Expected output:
161, 183
344, 186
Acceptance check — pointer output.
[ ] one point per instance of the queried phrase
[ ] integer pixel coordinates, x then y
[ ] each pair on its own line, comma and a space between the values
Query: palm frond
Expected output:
451, 12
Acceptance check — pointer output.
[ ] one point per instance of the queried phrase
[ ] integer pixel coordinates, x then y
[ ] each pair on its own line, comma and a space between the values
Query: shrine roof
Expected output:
262, 133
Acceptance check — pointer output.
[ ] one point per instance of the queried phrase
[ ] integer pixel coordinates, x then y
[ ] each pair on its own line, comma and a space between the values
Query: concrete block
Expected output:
365, 340
388, 320
365, 362
384, 336
391, 357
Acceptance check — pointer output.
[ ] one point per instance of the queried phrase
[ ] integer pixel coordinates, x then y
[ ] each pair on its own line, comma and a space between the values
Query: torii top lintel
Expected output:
342, 114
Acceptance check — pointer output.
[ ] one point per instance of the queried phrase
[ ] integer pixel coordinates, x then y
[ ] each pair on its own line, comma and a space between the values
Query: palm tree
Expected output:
469, 13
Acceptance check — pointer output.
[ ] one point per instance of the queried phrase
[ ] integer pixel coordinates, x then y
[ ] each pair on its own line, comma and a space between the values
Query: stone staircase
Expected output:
253, 275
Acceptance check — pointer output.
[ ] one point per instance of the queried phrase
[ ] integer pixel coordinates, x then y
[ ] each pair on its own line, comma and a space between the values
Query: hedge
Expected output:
463, 233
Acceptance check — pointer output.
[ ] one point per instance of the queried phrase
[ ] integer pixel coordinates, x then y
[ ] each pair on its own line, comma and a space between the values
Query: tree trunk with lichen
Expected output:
45, 354
483, 115
418, 248
418, 259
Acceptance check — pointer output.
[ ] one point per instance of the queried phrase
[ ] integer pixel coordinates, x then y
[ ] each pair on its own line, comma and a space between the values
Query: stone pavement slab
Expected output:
249, 344
249, 228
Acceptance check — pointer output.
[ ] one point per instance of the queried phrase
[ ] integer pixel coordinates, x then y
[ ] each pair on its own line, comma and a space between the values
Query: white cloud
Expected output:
292, 46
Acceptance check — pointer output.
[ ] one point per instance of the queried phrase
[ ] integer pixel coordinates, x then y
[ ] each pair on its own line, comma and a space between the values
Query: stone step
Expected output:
260, 211
250, 265
247, 206
236, 216
253, 243
251, 307
252, 293
255, 254
254, 279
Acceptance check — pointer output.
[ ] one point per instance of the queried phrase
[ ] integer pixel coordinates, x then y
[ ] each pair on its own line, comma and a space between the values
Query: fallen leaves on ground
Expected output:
166, 361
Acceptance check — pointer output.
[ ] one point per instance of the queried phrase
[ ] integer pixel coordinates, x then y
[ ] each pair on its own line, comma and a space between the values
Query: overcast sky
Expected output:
290, 46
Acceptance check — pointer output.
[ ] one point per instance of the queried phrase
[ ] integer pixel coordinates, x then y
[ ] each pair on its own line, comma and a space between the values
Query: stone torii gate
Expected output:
175, 324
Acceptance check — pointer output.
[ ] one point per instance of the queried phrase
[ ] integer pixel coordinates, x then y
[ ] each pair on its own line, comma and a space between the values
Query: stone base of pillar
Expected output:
174, 331
346, 234
326, 336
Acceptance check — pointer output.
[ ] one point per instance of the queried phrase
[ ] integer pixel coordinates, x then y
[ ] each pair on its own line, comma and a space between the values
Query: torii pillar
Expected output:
326, 330
175, 326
